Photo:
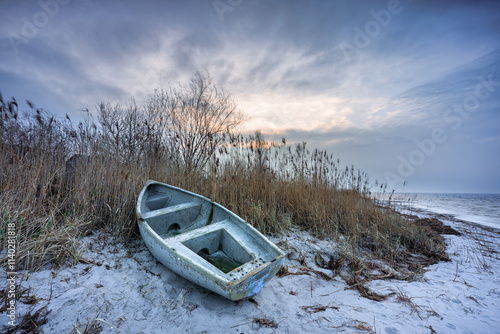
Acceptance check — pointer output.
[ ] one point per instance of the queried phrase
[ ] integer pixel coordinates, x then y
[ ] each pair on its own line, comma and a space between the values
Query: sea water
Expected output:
481, 209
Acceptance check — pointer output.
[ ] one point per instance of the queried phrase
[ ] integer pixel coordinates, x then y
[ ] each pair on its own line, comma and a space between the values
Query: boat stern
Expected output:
254, 281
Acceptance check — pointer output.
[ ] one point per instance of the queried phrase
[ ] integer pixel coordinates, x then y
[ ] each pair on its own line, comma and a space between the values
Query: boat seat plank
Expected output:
196, 232
170, 209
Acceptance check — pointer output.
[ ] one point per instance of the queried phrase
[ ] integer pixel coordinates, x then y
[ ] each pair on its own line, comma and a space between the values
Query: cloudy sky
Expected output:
405, 90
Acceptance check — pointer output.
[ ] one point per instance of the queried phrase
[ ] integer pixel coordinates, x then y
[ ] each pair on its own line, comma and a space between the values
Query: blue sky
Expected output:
405, 90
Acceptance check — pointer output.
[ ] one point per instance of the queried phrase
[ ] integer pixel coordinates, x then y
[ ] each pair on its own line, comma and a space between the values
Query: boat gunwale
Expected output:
217, 273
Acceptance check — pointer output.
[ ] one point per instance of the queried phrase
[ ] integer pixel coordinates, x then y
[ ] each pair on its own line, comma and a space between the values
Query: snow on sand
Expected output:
127, 291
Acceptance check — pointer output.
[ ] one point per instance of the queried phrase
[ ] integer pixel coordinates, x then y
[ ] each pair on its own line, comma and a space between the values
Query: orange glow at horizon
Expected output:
276, 113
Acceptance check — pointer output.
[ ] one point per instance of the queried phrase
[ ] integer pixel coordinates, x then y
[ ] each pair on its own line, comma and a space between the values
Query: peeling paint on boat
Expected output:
177, 225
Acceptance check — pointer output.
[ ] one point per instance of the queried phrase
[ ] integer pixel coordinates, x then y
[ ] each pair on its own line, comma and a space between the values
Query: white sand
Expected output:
138, 295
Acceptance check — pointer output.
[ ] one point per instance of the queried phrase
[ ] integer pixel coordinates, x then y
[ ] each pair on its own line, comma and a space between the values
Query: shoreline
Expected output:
477, 209
451, 219
458, 295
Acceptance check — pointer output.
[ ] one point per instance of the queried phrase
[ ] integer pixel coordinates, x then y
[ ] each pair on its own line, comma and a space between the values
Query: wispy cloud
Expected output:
284, 62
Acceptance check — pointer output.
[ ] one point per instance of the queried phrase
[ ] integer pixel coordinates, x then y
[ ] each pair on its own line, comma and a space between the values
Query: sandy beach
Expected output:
125, 290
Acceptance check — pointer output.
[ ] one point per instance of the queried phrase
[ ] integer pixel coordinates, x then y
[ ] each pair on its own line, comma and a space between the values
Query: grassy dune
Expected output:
61, 180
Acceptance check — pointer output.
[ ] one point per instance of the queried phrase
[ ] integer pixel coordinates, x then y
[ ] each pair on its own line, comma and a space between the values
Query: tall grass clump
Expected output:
61, 180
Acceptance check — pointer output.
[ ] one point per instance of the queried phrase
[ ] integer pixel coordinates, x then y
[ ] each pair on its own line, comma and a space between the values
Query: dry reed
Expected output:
61, 180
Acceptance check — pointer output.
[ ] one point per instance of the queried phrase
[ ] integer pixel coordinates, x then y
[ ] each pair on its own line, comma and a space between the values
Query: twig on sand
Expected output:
285, 272
403, 298
318, 308
305, 270
432, 330
456, 274
30, 323
355, 283
261, 322
91, 327
473, 299
361, 325
265, 322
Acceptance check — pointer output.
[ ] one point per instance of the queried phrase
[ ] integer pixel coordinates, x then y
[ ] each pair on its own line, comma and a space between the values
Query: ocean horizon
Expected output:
478, 208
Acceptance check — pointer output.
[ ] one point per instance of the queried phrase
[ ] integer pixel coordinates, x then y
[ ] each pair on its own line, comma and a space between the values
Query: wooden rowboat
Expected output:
204, 242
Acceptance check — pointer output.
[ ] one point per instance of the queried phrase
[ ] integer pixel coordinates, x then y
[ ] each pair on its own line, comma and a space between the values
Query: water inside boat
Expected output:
220, 260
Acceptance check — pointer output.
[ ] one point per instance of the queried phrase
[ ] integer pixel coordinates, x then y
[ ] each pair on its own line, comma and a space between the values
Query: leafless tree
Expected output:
123, 129
198, 118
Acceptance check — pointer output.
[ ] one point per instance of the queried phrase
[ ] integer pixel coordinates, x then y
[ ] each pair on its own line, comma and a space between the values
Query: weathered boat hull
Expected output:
204, 242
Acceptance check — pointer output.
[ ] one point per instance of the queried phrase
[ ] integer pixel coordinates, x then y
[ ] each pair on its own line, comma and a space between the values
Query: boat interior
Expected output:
213, 236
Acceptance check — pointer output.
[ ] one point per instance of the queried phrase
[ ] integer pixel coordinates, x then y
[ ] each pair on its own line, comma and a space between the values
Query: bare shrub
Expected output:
199, 117
123, 129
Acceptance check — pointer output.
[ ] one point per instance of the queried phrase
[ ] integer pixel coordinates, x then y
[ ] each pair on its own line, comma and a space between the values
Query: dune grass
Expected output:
61, 180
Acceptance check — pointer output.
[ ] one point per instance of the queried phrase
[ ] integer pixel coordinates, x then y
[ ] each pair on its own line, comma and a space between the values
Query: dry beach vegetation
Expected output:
61, 180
